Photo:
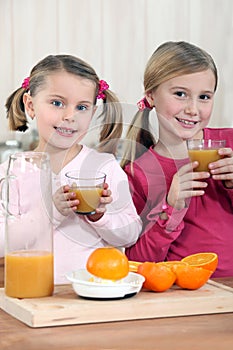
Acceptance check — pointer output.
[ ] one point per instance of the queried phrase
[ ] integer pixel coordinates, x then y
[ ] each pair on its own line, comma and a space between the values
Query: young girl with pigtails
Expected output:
61, 94
183, 211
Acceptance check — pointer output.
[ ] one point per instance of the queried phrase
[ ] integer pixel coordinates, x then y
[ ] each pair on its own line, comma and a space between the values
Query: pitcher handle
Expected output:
2, 201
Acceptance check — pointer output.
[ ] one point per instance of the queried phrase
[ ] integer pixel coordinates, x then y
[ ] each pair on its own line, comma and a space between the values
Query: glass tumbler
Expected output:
204, 151
88, 189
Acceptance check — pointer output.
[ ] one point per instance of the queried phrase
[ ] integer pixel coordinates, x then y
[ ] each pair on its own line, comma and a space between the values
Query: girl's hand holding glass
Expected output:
66, 202
105, 199
186, 184
223, 168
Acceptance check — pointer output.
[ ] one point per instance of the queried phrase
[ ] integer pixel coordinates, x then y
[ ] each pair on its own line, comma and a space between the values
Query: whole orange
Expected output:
108, 263
158, 277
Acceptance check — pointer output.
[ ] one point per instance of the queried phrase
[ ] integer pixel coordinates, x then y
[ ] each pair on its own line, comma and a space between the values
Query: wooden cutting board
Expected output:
66, 308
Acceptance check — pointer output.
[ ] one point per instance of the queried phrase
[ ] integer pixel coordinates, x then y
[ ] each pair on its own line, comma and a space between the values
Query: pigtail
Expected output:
15, 111
138, 138
111, 131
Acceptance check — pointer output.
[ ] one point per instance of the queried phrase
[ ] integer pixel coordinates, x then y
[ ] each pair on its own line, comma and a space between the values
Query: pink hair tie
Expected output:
25, 84
103, 86
143, 104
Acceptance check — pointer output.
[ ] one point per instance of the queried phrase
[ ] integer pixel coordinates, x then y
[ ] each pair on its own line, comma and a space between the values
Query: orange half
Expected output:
172, 263
190, 277
133, 265
108, 263
208, 261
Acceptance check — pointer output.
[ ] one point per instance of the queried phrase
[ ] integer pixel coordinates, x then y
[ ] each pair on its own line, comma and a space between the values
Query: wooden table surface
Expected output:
204, 332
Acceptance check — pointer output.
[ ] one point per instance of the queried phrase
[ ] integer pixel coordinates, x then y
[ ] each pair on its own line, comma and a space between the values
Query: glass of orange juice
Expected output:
204, 151
88, 188
26, 198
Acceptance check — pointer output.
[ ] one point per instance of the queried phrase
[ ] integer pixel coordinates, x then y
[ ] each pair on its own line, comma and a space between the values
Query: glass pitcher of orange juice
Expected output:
26, 197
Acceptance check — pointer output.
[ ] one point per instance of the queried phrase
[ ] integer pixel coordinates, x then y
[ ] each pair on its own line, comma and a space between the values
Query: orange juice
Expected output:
29, 274
88, 197
204, 157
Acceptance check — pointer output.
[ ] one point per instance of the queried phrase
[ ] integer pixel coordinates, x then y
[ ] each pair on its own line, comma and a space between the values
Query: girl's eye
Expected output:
81, 108
204, 97
180, 93
57, 103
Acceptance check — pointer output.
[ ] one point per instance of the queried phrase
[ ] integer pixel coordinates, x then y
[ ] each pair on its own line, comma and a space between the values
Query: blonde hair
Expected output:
112, 111
171, 59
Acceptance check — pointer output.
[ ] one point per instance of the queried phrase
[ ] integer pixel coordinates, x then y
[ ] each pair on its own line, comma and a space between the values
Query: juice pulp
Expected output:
204, 157
29, 274
88, 197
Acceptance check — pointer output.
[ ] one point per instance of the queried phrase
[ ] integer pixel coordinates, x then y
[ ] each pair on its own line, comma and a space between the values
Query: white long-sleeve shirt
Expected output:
75, 237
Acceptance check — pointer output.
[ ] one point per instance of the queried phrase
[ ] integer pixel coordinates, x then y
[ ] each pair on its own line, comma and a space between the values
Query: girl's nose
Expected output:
69, 114
191, 108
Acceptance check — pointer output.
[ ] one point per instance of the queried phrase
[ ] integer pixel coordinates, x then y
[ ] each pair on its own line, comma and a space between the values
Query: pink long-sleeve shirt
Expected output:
205, 226
75, 237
